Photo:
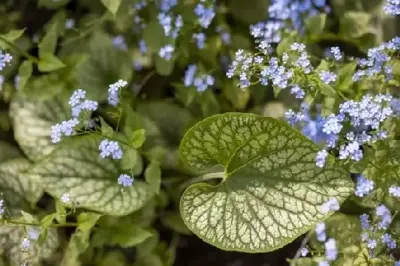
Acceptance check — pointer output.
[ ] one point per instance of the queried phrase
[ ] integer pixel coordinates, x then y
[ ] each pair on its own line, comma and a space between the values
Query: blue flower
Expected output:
327, 77
386, 217
166, 52
109, 148
331, 205
189, 75
205, 15
125, 180
167, 5
320, 158
320, 231
200, 39
394, 191
304, 252
364, 219
364, 186
392, 7
5, 59
119, 42
372, 243
297, 92
337, 54
113, 92
142, 46
388, 240
66, 128
331, 251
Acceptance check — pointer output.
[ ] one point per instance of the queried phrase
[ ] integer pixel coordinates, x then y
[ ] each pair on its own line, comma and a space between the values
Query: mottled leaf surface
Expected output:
32, 122
76, 168
272, 190
17, 190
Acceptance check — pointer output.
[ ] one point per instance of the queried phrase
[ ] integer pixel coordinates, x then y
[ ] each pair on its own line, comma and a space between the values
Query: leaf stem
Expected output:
19, 50
303, 244
39, 225
205, 177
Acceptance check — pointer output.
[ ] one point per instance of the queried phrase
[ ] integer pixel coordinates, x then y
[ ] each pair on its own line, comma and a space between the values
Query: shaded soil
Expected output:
192, 251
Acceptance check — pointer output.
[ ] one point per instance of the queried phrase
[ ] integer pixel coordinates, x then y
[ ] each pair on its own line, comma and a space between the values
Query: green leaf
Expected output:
124, 235
24, 73
76, 168
104, 66
49, 62
106, 129
132, 160
112, 5
137, 138
345, 79
49, 42
164, 67
327, 90
18, 191
153, 176
8, 151
316, 24
355, 24
32, 122
175, 222
11, 36
154, 36
48, 220
87, 220
271, 191
78, 244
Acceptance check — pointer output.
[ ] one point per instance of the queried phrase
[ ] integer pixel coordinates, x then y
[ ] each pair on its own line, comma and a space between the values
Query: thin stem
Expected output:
303, 245
36, 224
144, 81
19, 50
342, 95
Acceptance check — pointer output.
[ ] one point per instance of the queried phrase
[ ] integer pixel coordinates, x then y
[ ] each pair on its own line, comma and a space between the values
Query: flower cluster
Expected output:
204, 14
110, 148
66, 128
79, 103
125, 180
201, 81
377, 61
374, 233
392, 7
5, 59
113, 92
287, 13
361, 122
364, 186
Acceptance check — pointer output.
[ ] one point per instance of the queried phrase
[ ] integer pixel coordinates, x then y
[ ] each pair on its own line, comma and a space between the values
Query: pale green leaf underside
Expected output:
18, 191
76, 168
273, 191
32, 122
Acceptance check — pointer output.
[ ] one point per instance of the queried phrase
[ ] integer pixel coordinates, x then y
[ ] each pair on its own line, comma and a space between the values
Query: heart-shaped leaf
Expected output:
32, 121
271, 191
76, 168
